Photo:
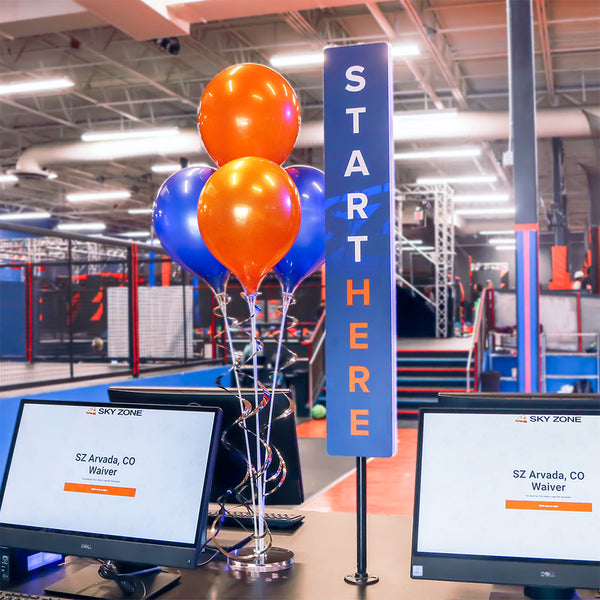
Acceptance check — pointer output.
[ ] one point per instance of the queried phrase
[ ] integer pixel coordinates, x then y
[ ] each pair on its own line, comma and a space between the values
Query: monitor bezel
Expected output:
493, 569
115, 547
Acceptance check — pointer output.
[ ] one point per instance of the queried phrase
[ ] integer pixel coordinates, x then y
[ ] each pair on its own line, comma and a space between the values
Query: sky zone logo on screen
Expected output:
119, 412
548, 419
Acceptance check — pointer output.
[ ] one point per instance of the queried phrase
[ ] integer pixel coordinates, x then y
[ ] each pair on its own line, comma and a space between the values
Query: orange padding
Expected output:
561, 279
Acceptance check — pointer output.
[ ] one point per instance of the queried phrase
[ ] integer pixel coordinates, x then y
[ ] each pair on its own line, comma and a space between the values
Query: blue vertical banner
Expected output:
360, 258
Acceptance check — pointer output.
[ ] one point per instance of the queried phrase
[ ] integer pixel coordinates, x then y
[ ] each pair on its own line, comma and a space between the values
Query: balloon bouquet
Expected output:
247, 217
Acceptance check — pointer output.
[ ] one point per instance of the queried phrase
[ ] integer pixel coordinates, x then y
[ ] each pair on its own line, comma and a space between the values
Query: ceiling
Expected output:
123, 79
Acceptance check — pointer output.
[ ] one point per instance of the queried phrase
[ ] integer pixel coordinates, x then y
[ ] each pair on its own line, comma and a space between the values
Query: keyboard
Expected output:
238, 518
22, 596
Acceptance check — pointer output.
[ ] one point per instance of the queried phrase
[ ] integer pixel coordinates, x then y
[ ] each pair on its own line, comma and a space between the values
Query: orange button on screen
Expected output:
106, 490
548, 505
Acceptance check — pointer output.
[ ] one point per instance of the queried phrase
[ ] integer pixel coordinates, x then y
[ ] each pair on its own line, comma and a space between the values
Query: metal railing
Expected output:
316, 361
480, 339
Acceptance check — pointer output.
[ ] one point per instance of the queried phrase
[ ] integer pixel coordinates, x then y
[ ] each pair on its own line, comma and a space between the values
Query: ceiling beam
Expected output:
542, 21
417, 74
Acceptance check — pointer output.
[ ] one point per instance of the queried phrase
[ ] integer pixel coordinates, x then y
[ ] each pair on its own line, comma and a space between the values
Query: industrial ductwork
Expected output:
467, 125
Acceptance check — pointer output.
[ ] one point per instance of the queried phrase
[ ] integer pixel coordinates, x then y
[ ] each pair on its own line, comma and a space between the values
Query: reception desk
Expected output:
325, 551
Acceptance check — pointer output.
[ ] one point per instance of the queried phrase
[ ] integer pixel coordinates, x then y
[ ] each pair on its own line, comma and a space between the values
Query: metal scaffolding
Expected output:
438, 199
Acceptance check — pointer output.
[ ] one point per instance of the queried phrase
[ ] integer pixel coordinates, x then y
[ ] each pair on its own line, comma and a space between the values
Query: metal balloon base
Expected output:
358, 579
275, 559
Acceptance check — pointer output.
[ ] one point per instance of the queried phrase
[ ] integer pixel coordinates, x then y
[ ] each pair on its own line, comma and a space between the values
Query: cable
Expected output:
129, 583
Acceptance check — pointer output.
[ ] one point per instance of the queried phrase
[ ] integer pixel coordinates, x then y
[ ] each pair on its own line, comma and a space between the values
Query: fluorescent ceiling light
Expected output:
427, 115
482, 212
297, 60
507, 247
103, 136
501, 241
81, 226
306, 59
438, 153
172, 167
421, 248
92, 196
24, 216
458, 179
416, 242
135, 234
41, 85
497, 232
6, 178
139, 211
481, 198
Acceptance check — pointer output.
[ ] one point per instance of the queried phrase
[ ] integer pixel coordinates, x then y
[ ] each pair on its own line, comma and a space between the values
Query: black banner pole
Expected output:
361, 577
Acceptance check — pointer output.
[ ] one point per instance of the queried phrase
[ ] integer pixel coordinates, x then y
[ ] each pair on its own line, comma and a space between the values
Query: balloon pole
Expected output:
285, 305
222, 302
259, 541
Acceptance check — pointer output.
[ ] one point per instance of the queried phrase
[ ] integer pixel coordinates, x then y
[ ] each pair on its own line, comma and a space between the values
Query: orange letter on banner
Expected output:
355, 421
354, 335
351, 292
360, 376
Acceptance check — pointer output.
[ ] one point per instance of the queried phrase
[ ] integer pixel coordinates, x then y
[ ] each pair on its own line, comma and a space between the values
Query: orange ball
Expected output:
249, 110
249, 215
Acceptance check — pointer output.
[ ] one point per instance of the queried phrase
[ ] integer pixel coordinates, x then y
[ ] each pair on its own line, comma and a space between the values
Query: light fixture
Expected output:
426, 115
458, 179
97, 226
482, 212
416, 242
306, 59
41, 85
139, 211
497, 232
172, 167
483, 198
507, 247
420, 248
129, 134
438, 153
7, 178
24, 216
93, 196
135, 234
501, 241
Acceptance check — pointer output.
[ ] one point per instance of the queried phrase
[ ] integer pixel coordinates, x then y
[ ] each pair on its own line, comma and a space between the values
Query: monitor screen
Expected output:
230, 468
508, 496
119, 482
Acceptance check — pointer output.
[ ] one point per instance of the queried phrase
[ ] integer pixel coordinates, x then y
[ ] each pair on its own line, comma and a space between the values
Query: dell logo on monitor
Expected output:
86, 546
548, 574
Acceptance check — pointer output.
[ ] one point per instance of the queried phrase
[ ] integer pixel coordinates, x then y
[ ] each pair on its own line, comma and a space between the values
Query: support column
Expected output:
593, 258
561, 278
522, 113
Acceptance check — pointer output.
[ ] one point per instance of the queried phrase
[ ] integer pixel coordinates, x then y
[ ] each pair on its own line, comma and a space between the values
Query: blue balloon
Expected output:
308, 251
175, 217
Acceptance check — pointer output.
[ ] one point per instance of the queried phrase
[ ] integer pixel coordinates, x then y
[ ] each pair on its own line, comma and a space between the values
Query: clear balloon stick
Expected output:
222, 301
285, 305
259, 542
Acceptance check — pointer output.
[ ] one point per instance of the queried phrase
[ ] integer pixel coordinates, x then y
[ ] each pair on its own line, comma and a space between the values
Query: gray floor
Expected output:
319, 469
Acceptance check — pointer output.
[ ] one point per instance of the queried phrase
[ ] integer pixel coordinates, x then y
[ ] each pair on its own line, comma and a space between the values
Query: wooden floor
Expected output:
390, 481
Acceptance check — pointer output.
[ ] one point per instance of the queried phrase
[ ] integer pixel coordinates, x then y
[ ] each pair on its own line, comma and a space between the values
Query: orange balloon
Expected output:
249, 215
249, 110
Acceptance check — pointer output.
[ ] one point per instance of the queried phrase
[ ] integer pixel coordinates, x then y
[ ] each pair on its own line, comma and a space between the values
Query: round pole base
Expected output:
275, 559
358, 579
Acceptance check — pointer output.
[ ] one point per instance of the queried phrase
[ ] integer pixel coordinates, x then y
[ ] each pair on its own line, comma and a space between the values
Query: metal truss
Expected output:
439, 198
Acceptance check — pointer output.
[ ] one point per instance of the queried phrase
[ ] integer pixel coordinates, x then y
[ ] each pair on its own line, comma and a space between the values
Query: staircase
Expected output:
423, 374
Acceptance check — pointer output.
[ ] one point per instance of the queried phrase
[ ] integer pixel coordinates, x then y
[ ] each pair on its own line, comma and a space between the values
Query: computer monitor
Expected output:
518, 400
116, 482
509, 496
230, 468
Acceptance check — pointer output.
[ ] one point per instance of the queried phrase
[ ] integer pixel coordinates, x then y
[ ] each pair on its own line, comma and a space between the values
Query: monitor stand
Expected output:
501, 592
86, 583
